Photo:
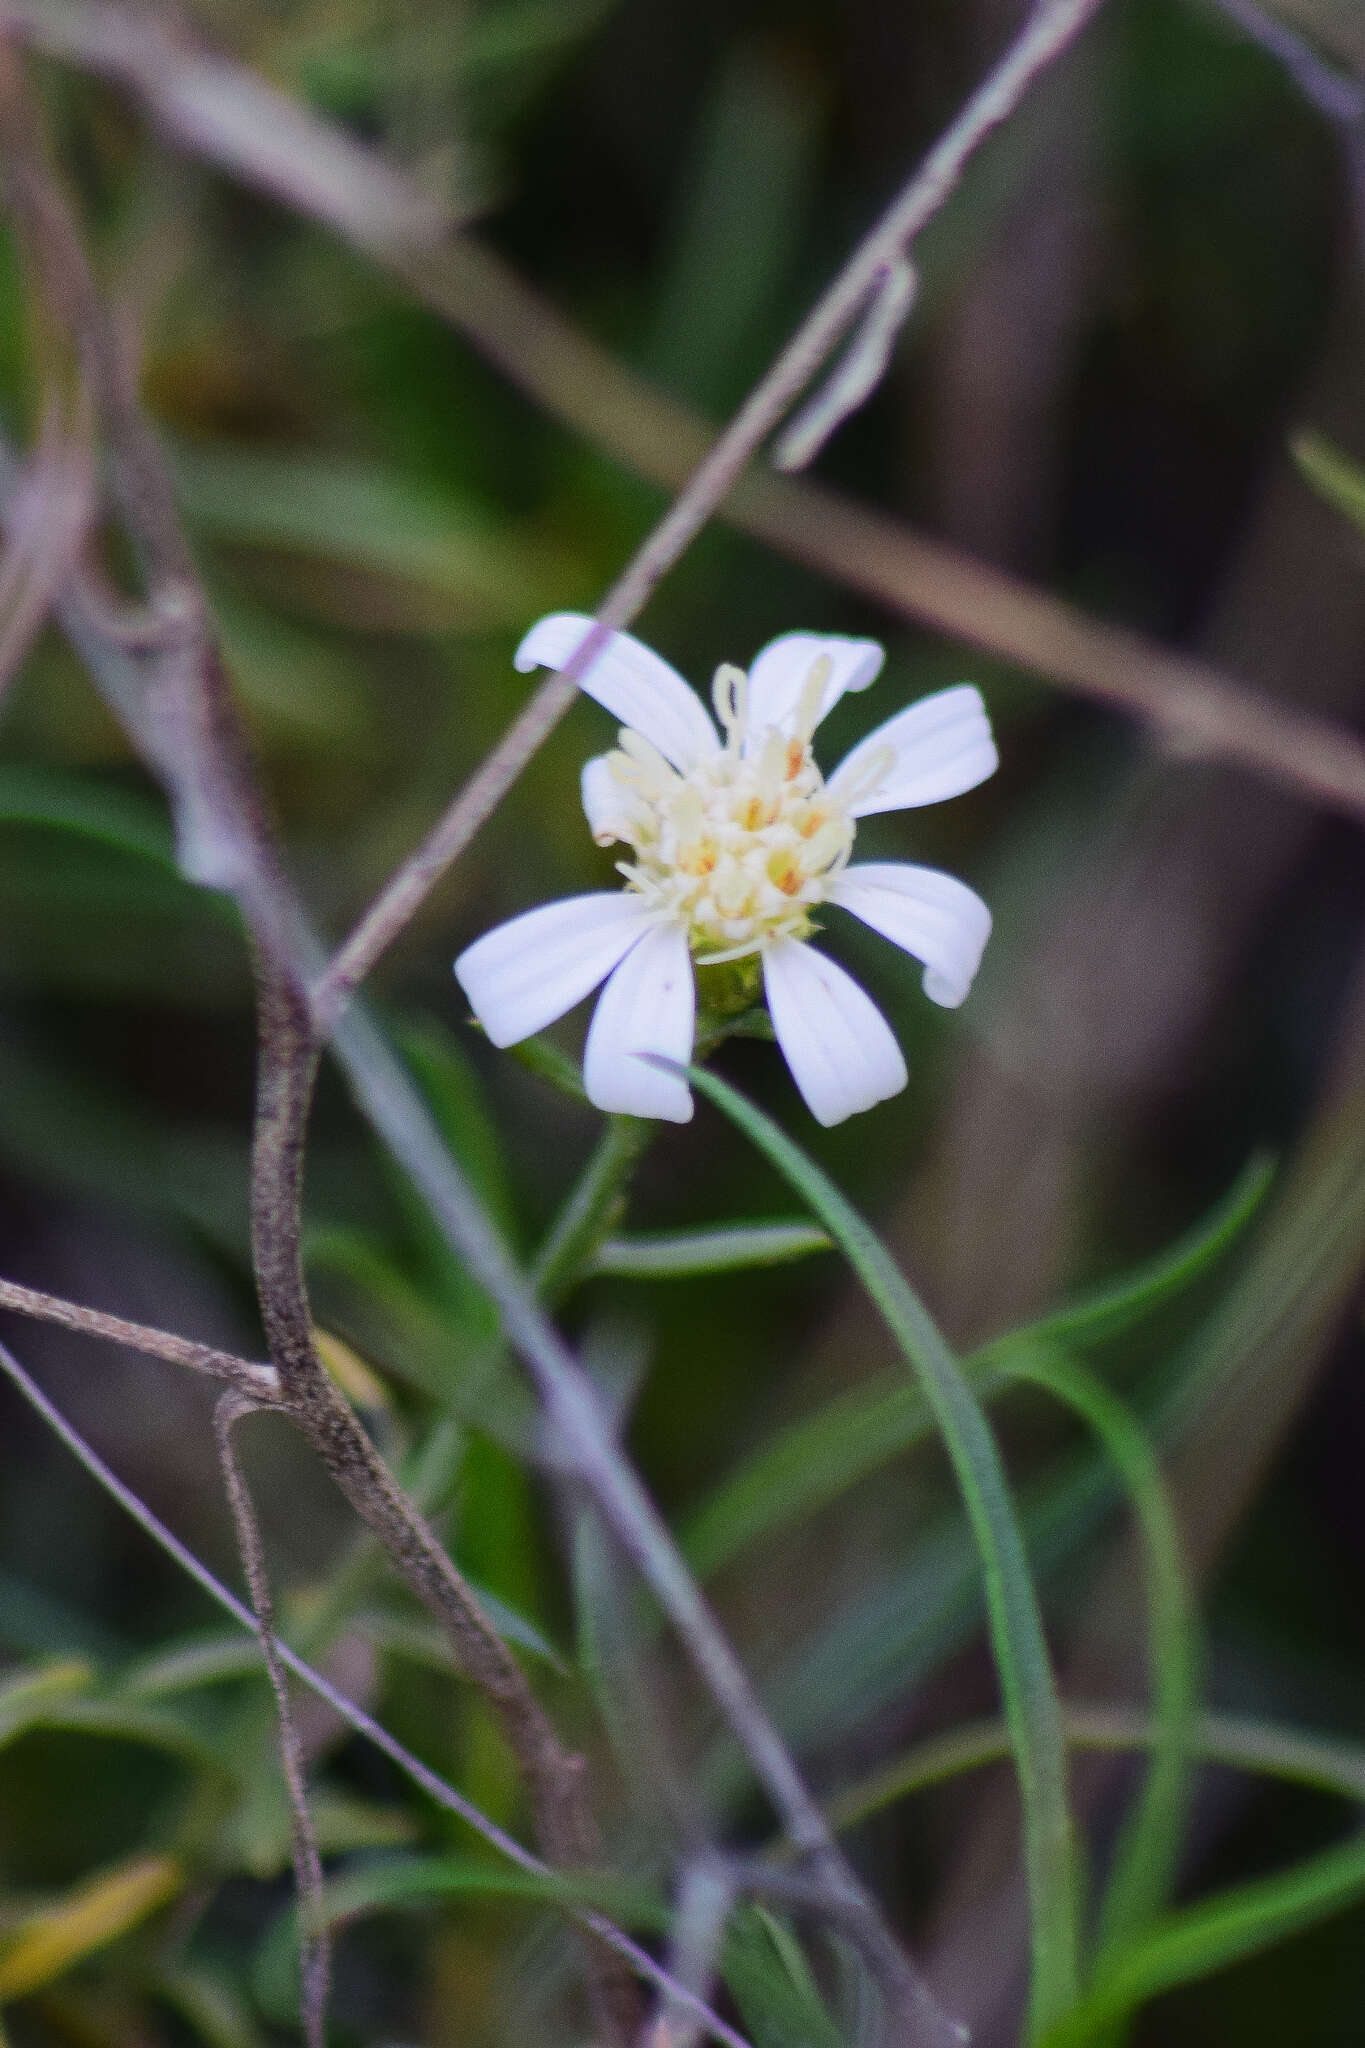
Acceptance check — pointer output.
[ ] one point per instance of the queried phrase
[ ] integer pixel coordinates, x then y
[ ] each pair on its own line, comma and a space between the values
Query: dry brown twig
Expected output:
260, 1383
315, 1948
45, 518
680, 1995
185, 724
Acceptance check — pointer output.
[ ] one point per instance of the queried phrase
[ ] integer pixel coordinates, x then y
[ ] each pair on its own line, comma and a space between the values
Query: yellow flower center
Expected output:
740, 848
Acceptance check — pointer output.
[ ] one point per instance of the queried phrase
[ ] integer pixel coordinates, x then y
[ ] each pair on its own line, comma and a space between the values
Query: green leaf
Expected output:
455, 565
1016, 1628
1215, 1933
1333, 475
81, 859
91, 809
1323, 1763
767, 1975
542, 1057
197, 1661
455, 1097
402, 1882
806, 1467
418, 1880
386, 1313
33, 1692
1108, 1311
726, 1248
60, 1696
87, 1918
815, 1460
414, 1307
122, 1720
1149, 1848
424, 1643
208, 2003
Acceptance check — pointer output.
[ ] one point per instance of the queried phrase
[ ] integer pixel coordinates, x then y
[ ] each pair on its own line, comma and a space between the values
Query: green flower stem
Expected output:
569, 1253
1026, 1682
592, 1211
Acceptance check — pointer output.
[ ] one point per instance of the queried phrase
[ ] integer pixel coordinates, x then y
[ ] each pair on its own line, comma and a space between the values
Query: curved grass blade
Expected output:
1109, 1311
726, 1248
811, 1463
1149, 1846
1209, 1936
1016, 1628
1322, 1763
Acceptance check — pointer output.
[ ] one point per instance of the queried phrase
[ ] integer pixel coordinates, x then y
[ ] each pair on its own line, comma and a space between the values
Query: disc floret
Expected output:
740, 848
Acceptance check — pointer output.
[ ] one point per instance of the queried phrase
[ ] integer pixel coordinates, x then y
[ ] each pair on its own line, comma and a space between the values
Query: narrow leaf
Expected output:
1149, 1847
728, 1248
88, 1918
1108, 1311
1016, 1627
1215, 1933
810, 1464
1333, 476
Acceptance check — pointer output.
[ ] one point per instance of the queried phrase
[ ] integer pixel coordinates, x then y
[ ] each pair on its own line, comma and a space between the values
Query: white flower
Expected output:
736, 840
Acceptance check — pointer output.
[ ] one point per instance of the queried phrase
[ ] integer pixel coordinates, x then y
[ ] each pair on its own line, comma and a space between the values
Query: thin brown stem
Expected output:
355, 1717
1193, 707
260, 1383
315, 1948
1052, 26
180, 712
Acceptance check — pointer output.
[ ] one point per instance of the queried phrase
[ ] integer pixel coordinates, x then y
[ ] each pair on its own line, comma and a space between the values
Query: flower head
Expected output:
736, 839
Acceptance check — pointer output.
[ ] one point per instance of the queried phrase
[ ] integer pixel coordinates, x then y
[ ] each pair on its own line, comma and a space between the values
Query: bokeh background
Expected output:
1147, 291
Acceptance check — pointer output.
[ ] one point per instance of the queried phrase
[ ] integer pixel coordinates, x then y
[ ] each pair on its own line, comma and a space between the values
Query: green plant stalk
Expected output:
592, 1211
1030, 1697
810, 1463
568, 1254
1204, 1938
1150, 1843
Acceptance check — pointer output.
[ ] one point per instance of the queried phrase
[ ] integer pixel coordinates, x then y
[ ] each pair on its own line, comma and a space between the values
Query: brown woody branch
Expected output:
185, 724
259, 1382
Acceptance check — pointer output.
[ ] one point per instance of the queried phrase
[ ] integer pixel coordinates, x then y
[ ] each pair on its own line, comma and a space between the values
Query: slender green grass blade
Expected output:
727, 1248
1016, 1628
767, 1976
1149, 1847
809, 1465
1214, 1934
1109, 1311
1322, 1763
1333, 476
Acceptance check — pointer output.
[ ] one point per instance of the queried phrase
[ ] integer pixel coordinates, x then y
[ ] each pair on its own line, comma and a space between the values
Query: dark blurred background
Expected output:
1147, 287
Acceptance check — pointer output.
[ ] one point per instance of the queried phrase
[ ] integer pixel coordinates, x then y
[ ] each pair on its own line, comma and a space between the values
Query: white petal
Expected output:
603, 801
932, 915
836, 1041
522, 975
648, 1006
778, 674
629, 680
935, 749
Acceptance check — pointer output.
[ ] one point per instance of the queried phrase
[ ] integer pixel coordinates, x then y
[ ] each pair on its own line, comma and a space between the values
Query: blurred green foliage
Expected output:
378, 518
